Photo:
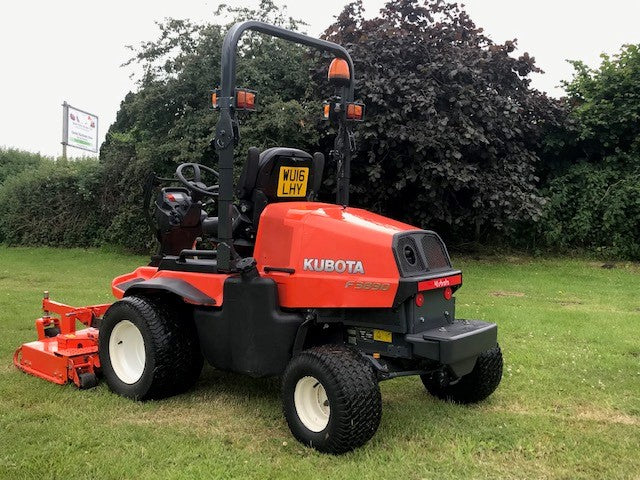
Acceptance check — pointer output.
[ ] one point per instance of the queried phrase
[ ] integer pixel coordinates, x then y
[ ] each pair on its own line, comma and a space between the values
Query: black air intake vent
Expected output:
420, 253
435, 253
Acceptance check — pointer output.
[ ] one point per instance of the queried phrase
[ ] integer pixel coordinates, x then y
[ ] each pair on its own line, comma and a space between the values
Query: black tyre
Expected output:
88, 380
148, 348
51, 332
473, 387
331, 399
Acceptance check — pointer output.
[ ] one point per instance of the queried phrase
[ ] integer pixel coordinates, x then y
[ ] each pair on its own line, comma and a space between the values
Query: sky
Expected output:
70, 50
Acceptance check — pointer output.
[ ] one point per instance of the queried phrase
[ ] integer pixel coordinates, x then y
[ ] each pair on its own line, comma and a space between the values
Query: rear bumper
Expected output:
457, 344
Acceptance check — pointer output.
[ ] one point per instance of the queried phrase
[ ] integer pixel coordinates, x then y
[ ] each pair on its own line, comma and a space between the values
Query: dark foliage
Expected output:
14, 161
594, 208
169, 120
454, 140
594, 170
454, 131
54, 204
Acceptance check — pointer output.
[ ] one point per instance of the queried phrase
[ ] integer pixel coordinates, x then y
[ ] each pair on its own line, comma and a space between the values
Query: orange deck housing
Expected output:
69, 355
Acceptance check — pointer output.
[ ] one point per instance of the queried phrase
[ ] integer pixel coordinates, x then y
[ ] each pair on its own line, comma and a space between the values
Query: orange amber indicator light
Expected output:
251, 100
241, 99
354, 111
351, 108
214, 99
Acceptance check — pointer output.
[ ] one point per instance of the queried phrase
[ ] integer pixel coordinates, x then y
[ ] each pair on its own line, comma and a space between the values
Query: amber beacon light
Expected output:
339, 71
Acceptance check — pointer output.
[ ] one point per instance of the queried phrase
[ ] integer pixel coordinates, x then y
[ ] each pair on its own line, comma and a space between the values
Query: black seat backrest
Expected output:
263, 172
279, 175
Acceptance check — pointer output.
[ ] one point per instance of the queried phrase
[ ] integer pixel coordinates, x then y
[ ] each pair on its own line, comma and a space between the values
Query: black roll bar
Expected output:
226, 129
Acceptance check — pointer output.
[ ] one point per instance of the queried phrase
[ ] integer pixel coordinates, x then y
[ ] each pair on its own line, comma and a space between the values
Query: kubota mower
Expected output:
331, 298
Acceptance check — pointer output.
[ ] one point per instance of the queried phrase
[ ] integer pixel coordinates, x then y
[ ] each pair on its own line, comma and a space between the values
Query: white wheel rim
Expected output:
126, 352
312, 404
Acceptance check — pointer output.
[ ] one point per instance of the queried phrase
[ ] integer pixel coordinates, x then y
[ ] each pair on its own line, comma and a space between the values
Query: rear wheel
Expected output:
473, 387
331, 399
148, 348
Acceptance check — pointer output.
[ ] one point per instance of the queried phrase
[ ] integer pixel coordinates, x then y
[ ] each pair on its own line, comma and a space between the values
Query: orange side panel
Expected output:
342, 257
144, 273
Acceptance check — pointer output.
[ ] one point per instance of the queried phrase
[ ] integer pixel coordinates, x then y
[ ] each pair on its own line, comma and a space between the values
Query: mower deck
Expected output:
61, 353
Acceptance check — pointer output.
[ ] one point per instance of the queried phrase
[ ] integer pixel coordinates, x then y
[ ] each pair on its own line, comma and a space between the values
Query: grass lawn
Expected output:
568, 406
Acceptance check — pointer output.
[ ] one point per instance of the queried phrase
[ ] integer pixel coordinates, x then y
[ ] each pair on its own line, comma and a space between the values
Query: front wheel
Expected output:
473, 387
331, 399
148, 348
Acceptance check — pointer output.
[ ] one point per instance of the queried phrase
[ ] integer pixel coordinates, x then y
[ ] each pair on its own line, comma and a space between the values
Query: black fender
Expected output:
172, 285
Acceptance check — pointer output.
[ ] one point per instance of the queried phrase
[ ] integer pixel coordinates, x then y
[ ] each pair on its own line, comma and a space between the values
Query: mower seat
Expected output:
278, 174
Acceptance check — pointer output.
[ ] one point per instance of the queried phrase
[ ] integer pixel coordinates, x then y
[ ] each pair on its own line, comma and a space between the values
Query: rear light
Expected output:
245, 99
251, 100
448, 293
355, 111
419, 300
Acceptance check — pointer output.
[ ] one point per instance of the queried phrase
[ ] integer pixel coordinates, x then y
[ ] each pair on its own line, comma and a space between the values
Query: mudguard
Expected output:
173, 285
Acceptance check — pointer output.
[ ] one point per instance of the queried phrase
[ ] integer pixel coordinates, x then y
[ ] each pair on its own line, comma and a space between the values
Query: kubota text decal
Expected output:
329, 265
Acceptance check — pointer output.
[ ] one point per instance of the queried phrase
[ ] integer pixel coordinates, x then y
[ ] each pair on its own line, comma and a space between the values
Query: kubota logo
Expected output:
441, 283
337, 266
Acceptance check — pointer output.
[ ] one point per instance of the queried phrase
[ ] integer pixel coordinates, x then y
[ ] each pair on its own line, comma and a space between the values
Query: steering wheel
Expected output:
196, 184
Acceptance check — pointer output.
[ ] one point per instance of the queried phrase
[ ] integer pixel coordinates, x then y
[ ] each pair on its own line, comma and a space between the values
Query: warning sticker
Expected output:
382, 336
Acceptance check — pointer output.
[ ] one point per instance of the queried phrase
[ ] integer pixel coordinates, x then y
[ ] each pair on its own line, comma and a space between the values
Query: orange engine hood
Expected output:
340, 257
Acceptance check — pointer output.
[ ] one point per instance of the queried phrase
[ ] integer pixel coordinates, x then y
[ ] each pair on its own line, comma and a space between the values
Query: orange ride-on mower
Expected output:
331, 298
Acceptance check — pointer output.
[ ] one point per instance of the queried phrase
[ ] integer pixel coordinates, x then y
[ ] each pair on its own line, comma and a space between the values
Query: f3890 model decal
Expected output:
330, 265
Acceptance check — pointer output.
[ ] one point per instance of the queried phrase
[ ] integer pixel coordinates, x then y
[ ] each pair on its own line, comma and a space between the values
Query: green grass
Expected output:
568, 406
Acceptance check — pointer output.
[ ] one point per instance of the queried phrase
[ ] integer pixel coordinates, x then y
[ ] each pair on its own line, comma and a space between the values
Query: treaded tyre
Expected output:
51, 332
331, 399
148, 348
88, 380
473, 387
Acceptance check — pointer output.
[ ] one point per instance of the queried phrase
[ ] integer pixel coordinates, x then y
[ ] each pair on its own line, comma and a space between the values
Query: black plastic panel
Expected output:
419, 253
173, 285
456, 342
249, 334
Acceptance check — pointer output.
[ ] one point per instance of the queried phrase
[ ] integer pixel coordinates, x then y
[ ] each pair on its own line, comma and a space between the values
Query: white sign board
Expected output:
80, 128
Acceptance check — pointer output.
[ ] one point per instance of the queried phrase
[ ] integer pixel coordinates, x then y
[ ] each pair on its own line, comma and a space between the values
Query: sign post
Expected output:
79, 129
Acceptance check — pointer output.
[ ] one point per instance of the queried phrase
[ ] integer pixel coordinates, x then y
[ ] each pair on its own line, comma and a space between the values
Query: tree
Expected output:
453, 130
606, 108
594, 170
169, 119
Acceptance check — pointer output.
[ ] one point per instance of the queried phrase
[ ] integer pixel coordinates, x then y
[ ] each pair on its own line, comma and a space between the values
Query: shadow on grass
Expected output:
214, 381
